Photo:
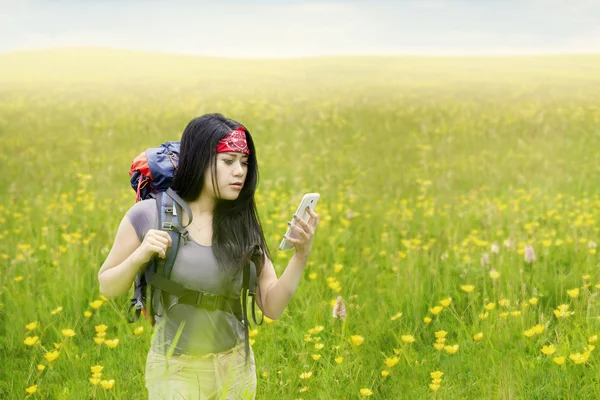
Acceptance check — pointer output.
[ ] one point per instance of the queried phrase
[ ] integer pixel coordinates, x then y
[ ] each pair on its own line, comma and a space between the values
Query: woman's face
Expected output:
231, 168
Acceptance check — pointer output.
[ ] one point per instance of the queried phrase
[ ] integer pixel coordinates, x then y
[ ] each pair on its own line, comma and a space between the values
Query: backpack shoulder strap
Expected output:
250, 282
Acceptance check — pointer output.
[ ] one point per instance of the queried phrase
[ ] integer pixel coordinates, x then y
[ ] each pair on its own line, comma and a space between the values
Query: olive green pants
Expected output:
213, 376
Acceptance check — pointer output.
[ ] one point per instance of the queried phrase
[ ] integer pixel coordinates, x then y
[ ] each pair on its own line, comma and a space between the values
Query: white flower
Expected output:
508, 243
592, 244
485, 260
339, 309
495, 248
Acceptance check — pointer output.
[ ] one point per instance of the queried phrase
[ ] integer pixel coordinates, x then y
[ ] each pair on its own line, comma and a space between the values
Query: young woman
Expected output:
216, 177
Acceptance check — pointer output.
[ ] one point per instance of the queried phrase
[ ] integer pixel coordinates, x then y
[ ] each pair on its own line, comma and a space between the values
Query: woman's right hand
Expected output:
155, 242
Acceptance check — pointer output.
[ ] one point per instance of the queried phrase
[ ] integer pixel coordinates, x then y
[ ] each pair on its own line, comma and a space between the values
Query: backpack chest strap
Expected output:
200, 299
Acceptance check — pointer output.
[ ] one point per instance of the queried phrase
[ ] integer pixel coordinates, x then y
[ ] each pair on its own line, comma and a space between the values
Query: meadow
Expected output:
459, 219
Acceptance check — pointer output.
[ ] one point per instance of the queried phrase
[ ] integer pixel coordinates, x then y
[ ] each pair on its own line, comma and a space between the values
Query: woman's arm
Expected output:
278, 292
118, 271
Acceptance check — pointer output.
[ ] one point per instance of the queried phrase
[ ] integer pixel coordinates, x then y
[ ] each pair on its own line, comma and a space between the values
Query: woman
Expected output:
216, 177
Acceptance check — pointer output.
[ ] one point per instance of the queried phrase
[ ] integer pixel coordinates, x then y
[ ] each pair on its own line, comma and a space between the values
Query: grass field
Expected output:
440, 179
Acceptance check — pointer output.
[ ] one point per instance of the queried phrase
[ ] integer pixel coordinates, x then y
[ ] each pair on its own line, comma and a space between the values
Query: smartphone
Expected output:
309, 200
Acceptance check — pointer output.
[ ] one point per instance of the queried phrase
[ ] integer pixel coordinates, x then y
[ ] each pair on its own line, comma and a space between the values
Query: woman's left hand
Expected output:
304, 233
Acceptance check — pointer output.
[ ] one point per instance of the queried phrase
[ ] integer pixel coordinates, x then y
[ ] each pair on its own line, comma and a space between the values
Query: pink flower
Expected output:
529, 254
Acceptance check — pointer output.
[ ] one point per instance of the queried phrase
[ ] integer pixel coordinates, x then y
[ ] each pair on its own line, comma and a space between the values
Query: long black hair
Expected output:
236, 226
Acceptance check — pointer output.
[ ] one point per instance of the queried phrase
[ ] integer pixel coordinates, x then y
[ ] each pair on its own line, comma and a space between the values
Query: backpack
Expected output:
151, 175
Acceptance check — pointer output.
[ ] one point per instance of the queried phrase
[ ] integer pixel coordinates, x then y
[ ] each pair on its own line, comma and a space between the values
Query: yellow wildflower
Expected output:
441, 334
578, 358
451, 349
56, 310
436, 374
539, 329
52, 355
306, 375
391, 361
408, 338
478, 336
96, 369
68, 332
573, 292
30, 340
112, 343
446, 302
339, 360
31, 389
533, 301
548, 350
31, 326
467, 288
108, 384
436, 310
563, 311
365, 392
96, 304
559, 360
357, 340
529, 332
395, 317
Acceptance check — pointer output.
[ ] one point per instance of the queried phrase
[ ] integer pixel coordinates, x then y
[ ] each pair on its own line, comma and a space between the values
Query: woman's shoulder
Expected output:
143, 216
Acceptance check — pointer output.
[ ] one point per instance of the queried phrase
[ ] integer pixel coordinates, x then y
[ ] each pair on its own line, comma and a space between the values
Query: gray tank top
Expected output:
204, 331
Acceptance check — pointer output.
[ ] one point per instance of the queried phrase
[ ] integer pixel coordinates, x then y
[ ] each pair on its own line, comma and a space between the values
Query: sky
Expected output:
292, 29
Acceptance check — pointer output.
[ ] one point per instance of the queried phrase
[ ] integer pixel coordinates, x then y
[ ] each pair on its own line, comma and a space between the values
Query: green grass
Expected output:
436, 158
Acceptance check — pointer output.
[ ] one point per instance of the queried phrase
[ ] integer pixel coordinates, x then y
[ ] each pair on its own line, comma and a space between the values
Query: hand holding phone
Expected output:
309, 200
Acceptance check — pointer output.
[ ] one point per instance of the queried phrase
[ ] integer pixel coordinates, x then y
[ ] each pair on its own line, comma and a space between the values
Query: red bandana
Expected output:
234, 141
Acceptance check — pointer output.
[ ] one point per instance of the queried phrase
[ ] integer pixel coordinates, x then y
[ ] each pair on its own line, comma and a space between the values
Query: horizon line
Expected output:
506, 54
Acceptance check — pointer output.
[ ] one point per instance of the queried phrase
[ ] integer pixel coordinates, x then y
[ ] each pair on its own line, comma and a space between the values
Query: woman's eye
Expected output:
230, 161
